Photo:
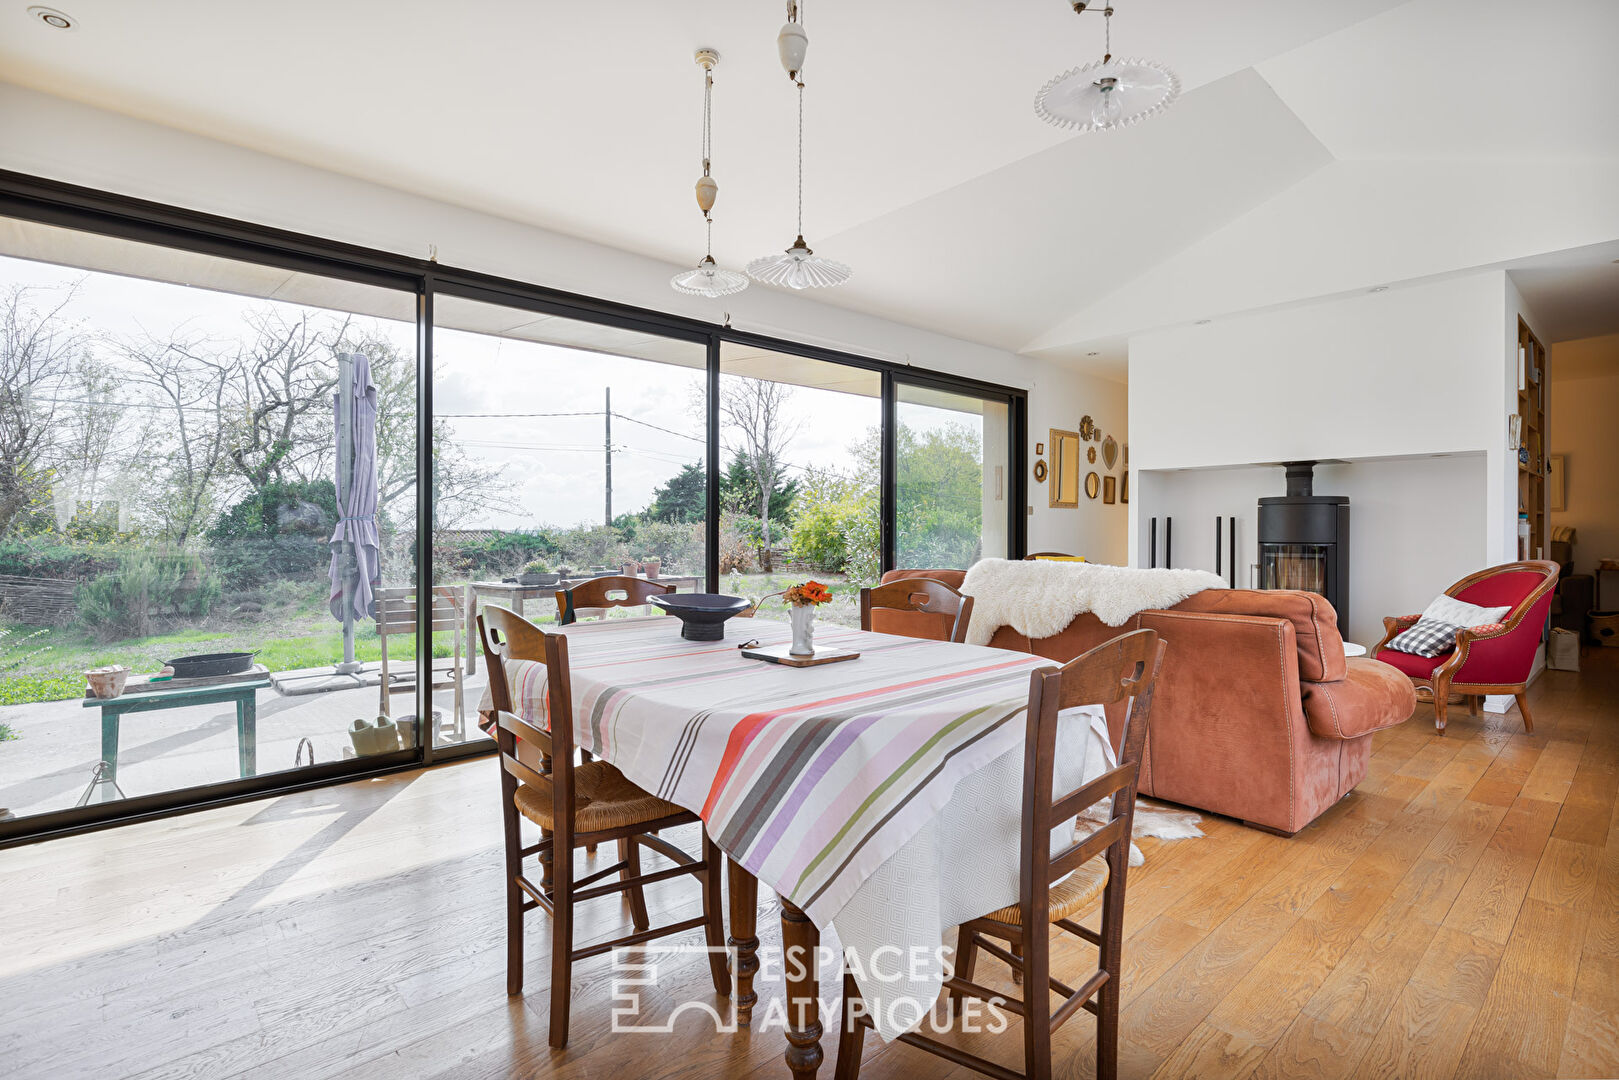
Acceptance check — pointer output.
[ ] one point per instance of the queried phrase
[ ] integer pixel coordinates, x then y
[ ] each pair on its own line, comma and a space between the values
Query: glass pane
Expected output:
169, 488
951, 478
563, 450
1294, 566
808, 432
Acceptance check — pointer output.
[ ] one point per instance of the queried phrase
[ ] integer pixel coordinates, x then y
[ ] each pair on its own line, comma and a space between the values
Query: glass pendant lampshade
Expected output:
792, 43
799, 268
708, 279
1107, 94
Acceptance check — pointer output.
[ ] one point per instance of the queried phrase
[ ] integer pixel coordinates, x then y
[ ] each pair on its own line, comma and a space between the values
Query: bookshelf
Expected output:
1532, 388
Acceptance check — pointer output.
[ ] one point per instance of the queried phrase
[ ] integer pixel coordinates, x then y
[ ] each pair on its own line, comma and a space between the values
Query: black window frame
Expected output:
53, 202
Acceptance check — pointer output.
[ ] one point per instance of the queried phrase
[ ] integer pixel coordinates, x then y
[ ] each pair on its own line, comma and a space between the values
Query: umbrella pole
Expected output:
345, 481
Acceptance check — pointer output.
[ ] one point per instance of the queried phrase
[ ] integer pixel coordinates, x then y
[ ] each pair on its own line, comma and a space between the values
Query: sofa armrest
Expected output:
1372, 696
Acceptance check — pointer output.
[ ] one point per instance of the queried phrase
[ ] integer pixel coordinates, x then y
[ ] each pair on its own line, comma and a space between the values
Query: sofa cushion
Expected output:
1315, 623
1426, 637
1371, 696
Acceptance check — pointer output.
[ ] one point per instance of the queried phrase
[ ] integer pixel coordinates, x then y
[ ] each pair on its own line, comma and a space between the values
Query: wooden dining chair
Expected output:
950, 610
576, 804
1054, 889
599, 594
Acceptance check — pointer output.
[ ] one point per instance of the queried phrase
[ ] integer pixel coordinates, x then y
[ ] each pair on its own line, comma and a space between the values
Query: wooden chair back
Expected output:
1123, 669
506, 635
607, 592
396, 613
928, 596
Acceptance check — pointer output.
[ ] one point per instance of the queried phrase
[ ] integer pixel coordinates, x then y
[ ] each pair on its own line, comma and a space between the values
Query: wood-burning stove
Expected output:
1304, 540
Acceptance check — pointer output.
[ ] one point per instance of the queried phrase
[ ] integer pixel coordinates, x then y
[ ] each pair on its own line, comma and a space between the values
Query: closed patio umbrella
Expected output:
355, 569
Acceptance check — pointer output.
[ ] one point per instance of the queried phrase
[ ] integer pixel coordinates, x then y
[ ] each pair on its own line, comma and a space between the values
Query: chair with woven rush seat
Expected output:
576, 805
1493, 659
1054, 888
916, 607
601, 593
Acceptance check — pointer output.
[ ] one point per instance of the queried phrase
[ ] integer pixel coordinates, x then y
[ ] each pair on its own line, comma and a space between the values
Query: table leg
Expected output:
743, 888
247, 735
800, 943
474, 646
109, 750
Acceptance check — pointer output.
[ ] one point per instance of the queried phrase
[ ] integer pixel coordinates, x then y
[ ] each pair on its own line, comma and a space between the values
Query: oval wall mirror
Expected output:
1093, 484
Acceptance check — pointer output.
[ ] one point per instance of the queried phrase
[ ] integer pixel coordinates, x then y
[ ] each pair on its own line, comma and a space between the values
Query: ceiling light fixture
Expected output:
707, 279
56, 20
1378, 288
1204, 322
798, 267
1108, 93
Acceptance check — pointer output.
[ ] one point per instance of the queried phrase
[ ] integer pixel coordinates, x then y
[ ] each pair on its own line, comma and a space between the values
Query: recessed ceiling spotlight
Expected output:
1204, 322
1093, 354
56, 20
1378, 288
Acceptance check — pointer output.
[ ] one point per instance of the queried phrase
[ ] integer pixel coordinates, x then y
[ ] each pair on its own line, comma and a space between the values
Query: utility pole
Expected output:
608, 415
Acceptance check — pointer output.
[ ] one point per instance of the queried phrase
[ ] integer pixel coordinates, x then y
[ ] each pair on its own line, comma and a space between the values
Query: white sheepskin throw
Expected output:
1040, 598
1151, 820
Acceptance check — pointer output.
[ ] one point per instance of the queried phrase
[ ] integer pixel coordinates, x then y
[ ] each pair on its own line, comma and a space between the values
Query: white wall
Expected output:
1391, 500
1411, 371
1583, 420
62, 140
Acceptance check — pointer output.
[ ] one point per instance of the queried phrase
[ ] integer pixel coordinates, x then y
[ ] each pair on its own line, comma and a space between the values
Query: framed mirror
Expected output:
1065, 459
1093, 484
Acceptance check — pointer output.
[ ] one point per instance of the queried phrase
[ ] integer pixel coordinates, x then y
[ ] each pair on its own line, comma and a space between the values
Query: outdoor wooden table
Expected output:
514, 595
243, 693
883, 793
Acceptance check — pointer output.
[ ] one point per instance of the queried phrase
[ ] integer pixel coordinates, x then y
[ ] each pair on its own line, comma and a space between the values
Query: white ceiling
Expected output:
926, 168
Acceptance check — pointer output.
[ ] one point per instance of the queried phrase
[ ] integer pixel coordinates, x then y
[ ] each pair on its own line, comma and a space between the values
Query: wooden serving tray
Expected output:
142, 684
778, 654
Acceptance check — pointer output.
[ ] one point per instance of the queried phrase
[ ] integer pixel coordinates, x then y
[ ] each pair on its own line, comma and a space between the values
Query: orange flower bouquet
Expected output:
803, 600
809, 594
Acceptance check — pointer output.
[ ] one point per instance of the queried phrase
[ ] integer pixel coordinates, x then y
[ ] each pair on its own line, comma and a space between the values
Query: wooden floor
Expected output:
1457, 915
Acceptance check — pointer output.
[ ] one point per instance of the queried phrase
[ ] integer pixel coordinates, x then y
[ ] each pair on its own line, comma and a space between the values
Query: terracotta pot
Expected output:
108, 682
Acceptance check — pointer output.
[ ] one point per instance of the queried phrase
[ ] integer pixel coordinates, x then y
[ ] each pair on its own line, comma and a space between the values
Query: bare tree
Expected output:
38, 346
86, 472
757, 426
191, 380
282, 385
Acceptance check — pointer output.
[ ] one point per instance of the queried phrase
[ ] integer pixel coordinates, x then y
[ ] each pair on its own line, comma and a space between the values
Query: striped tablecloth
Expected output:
835, 785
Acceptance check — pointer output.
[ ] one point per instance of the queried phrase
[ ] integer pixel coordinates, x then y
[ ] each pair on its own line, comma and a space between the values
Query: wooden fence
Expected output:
36, 601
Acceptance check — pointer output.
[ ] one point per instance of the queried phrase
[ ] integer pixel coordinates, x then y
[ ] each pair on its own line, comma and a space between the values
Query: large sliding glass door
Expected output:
171, 488
562, 450
217, 437
953, 497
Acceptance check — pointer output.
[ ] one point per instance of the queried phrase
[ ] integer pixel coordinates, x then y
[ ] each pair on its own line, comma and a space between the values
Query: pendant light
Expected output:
798, 267
707, 279
1108, 93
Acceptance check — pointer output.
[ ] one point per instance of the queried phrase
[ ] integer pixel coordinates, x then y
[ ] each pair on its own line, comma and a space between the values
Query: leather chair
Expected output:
1494, 659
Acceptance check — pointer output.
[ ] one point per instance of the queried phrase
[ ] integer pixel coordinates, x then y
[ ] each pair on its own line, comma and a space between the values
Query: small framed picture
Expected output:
1039, 449
1110, 486
1124, 487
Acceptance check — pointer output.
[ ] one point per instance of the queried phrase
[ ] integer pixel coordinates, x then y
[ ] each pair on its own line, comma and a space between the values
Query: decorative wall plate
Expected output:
1090, 454
1093, 484
1040, 472
1110, 451
1087, 428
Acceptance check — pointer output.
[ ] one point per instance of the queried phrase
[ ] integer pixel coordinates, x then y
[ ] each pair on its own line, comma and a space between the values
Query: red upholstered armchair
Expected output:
1493, 659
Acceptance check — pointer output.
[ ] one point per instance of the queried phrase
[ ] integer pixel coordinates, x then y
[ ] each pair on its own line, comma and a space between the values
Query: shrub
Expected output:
835, 525
297, 507
598, 546
252, 561
739, 544
146, 586
45, 557
679, 547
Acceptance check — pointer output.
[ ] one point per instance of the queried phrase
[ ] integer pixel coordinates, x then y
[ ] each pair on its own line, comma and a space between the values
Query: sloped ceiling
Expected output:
1319, 145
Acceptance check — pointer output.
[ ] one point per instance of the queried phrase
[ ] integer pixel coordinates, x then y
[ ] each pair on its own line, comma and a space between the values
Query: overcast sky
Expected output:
553, 465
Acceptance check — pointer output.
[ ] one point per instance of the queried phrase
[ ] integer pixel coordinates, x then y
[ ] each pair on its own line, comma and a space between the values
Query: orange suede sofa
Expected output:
1258, 715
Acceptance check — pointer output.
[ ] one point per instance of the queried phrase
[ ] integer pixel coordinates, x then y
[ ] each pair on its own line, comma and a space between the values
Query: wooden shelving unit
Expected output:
1532, 360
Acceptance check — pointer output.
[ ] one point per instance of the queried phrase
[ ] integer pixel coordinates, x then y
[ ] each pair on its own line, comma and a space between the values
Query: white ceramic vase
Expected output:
802, 619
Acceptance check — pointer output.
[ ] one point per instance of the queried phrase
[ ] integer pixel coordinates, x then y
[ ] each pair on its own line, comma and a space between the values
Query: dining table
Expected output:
881, 796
